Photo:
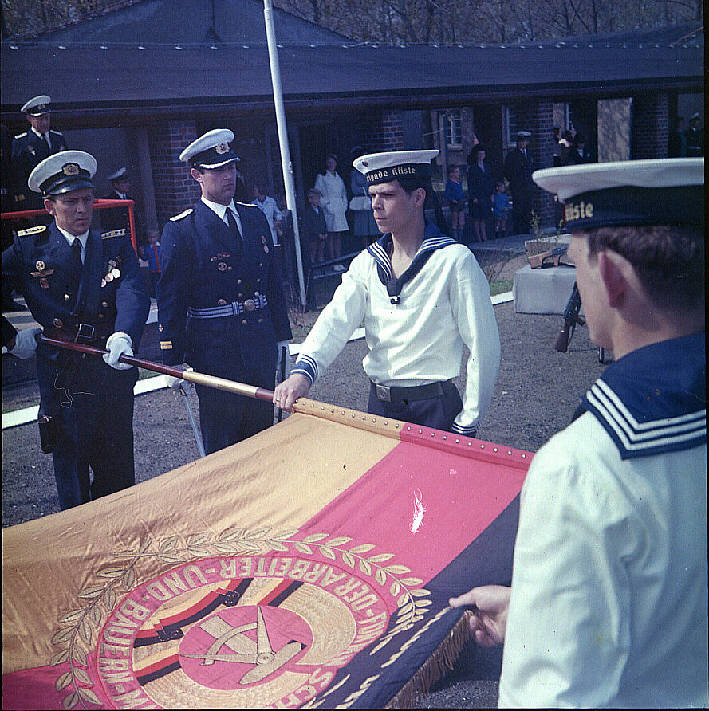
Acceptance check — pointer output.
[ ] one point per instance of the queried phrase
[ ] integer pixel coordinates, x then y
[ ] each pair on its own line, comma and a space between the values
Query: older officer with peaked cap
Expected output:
518, 169
88, 285
30, 148
608, 604
421, 297
221, 303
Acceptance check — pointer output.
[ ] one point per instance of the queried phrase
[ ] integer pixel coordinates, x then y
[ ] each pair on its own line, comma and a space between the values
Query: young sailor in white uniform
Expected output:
608, 603
421, 297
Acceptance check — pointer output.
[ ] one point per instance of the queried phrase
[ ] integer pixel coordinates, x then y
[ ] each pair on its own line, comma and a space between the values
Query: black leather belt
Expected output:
386, 393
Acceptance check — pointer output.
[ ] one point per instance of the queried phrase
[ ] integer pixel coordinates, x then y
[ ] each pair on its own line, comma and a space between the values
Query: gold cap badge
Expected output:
221, 148
71, 169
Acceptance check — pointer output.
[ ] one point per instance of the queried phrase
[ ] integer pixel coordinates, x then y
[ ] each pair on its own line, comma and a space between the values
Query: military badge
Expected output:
44, 283
40, 265
222, 266
222, 148
264, 243
71, 169
42, 273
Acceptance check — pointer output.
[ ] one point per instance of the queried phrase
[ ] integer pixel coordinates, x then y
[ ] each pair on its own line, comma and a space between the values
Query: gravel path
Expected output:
537, 392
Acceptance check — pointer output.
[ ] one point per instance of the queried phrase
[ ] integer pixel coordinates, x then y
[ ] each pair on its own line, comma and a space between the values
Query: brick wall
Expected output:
175, 189
383, 131
649, 131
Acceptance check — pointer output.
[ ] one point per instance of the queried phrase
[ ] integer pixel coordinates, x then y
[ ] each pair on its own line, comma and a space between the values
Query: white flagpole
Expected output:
286, 163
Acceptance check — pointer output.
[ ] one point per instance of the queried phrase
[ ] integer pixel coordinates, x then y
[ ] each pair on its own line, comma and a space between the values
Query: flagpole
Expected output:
286, 163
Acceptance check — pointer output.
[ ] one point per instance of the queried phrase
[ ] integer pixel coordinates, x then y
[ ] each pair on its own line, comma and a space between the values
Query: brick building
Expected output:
136, 85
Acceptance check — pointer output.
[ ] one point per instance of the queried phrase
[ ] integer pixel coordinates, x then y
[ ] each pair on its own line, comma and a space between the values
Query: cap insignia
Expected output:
222, 148
71, 169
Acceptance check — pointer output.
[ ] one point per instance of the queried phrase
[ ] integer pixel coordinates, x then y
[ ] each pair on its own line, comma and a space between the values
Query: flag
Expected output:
309, 566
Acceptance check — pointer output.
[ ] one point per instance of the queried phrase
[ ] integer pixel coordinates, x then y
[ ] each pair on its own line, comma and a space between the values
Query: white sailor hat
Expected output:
666, 191
37, 105
63, 172
211, 150
121, 173
524, 134
392, 165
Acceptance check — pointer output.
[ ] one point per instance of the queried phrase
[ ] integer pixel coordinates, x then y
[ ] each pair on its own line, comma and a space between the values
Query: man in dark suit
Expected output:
30, 148
116, 218
218, 269
88, 285
518, 170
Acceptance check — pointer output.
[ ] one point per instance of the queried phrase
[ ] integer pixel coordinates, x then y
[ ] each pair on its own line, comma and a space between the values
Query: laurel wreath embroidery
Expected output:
78, 627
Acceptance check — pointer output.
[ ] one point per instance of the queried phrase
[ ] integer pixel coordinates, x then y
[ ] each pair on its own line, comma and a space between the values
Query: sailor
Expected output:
117, 218
608, 603
31, 147
87, 285
220, 297
421, 297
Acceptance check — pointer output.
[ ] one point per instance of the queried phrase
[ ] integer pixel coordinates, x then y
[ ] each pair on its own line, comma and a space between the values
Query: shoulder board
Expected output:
31, 231
181, 215
21, 135
244, 204
57, 133
113, 233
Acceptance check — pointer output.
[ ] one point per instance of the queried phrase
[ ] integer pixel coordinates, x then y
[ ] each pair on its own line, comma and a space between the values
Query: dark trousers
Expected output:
94, 430
438, 412
246, 353
522, 204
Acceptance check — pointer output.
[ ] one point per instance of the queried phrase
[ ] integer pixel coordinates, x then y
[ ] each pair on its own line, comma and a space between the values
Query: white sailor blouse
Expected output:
416, 325
609, 589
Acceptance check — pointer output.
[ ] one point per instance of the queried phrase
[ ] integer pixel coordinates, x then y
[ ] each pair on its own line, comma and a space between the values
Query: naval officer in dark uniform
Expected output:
88, 284
518, 169
221, 304
30, 148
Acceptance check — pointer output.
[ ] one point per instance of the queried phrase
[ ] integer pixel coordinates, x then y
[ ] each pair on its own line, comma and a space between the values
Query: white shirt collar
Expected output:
220, 210
37, 133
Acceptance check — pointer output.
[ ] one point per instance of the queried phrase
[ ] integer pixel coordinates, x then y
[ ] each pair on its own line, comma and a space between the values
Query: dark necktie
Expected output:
49, 143
76, 259
232, 225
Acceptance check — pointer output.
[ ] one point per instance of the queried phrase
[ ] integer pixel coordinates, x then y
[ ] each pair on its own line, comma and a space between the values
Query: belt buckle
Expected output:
85, 333
383, 392
249, 305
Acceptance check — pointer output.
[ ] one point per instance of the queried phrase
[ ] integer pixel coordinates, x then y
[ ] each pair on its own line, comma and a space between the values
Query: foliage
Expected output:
408, 21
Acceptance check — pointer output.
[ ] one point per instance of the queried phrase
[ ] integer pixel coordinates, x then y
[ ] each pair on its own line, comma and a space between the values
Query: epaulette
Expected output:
59, 133
113, 233
181, 215
31, 231
21, 135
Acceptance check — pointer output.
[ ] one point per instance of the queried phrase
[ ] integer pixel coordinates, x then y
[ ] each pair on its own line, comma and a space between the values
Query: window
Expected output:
453, 124
511, 125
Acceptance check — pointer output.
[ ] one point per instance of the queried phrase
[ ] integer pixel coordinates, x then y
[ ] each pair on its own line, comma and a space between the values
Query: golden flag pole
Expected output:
354, 418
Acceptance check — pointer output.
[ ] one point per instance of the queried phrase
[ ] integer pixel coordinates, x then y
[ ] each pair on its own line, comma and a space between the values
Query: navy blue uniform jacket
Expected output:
38, 265
203, 266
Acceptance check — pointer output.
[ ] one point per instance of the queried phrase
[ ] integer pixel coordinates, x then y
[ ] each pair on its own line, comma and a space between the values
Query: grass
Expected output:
501, 286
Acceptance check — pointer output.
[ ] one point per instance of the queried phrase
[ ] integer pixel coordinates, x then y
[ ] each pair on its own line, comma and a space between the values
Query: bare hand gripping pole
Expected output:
354, 418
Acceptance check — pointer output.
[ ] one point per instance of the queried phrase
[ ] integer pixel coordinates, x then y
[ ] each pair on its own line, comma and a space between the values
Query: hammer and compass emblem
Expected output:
244, 649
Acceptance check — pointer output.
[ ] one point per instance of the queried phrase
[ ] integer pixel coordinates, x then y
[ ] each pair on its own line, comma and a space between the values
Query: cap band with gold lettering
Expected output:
392, 165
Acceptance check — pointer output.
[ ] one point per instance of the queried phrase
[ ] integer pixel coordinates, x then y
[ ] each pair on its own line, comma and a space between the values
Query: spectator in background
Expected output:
565, 143
518, 170
677, 144
269, 207
480, 189
151, 254
314, 228
334, 203
501, 208
117, 218
456, 201
579, 154
30, 148
695, 138
556, 149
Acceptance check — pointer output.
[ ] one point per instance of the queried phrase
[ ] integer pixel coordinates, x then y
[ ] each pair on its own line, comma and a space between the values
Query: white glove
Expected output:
117, 345
25, 343
175, 383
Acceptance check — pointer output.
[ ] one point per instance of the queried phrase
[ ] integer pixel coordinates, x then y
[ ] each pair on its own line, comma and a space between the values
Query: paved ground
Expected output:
536, 393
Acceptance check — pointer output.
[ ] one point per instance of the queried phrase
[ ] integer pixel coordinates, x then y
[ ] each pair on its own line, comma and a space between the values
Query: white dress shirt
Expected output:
220, 211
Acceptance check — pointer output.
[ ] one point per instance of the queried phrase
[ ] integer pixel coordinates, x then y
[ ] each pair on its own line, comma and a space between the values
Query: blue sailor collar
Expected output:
653, 400
379, 250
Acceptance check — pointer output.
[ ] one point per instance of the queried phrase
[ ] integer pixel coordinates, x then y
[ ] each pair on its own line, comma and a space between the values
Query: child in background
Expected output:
456, 200
501, 207
314, 227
